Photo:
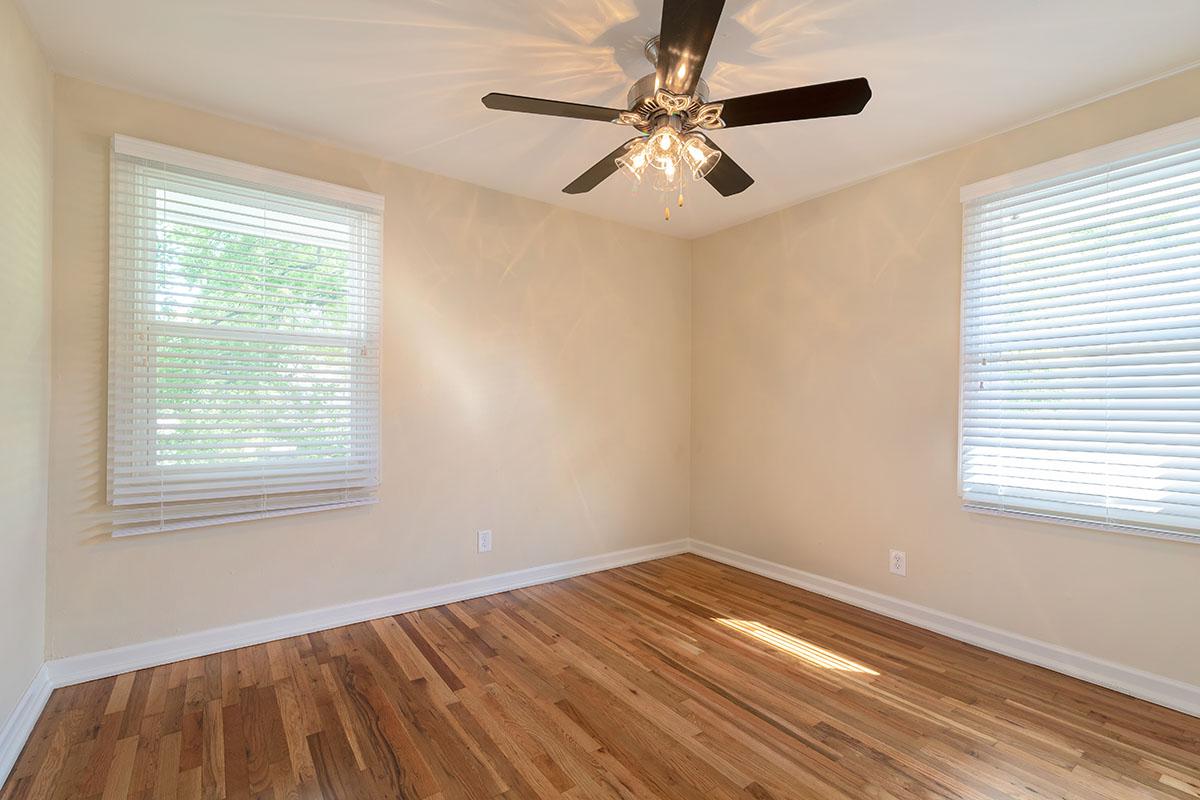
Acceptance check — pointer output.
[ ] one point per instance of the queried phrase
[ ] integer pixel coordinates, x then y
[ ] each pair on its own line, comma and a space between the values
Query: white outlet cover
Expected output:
485, 541
898, 563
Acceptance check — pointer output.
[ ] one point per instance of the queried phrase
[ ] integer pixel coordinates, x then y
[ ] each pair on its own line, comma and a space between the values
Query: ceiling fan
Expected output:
670, 108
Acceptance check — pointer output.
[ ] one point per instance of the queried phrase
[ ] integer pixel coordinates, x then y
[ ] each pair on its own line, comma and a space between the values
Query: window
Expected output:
1081, 338
244, 341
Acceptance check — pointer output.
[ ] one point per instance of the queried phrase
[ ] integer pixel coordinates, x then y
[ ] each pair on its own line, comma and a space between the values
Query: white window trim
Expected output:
1094, 157
1097, 156
236, 170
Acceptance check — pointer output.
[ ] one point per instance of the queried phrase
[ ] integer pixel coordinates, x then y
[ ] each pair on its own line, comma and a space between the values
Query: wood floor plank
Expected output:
166, 783
213, 756
51, 766
120, 693
120, 770
673, 679
237, 780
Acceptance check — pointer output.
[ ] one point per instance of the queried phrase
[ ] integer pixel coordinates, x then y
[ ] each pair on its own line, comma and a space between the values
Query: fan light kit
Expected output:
667, 154
670, 109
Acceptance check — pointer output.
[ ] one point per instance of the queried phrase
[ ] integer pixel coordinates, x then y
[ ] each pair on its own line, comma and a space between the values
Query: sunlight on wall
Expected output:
808, 651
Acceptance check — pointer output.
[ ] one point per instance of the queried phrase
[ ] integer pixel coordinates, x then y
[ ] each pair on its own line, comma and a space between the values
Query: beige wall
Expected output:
825, 390
25, 172
535, 382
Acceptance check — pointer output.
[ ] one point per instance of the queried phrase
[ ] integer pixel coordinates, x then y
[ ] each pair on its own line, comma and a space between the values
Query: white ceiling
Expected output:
402, 79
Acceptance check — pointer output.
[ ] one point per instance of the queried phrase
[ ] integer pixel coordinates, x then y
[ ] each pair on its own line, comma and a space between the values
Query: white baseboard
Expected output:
90, 666
16, 729
1134, 682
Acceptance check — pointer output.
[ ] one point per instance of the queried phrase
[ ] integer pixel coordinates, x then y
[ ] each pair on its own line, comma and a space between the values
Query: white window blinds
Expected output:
244, 341
1081, 342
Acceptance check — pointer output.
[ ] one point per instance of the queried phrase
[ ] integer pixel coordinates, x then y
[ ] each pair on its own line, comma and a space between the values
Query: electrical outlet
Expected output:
485, 541
898, 563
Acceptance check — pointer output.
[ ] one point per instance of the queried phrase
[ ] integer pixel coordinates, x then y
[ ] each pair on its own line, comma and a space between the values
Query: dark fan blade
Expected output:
553, 108
804, 102
596, 173
727, 177
683, 41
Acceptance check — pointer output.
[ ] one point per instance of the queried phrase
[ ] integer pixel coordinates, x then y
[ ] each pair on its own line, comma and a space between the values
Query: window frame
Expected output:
1176, 134
142, 329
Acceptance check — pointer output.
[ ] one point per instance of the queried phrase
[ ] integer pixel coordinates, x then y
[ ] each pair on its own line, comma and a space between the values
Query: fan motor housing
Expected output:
641, 94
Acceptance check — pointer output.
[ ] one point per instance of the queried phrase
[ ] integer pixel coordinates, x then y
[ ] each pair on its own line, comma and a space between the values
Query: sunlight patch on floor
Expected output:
817, 656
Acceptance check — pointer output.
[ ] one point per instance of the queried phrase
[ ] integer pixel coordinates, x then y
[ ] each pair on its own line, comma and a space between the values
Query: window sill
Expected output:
1133, 530
249, 516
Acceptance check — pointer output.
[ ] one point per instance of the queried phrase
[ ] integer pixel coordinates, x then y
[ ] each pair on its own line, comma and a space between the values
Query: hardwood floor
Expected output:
678, 678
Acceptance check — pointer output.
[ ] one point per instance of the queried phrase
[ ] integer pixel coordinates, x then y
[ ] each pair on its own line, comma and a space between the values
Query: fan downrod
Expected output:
650, 50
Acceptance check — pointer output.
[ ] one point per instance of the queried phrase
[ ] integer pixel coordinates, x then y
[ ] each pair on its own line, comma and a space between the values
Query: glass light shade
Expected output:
699, 155
668, 174
666, 148
634, 161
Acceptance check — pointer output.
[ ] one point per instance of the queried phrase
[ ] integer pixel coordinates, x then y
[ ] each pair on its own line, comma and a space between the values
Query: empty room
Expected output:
599, 399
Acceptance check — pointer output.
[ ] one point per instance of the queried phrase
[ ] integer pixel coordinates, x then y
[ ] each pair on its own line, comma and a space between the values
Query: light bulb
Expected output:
666, 140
